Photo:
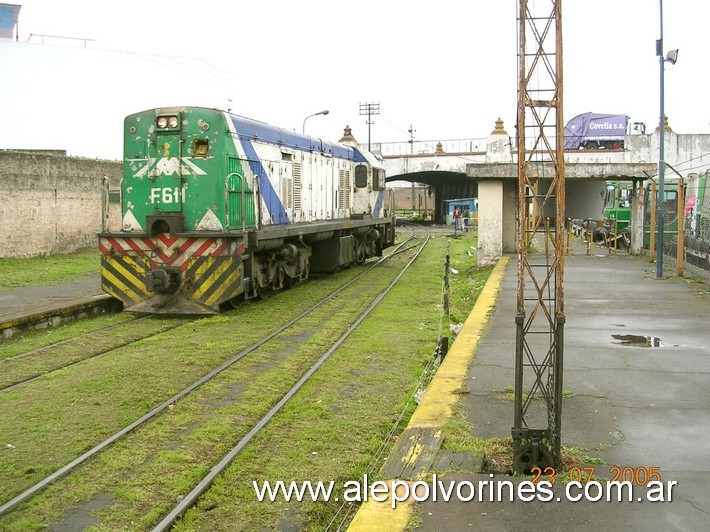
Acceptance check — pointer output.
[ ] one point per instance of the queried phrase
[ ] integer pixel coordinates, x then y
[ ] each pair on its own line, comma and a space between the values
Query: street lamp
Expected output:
314, 114
672, 57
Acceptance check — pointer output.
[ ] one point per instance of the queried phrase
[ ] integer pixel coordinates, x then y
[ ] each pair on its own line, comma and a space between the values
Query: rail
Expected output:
176, 397
191, 498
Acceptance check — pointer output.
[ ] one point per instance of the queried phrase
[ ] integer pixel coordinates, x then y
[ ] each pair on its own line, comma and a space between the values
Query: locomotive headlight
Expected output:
172, 121
162, 122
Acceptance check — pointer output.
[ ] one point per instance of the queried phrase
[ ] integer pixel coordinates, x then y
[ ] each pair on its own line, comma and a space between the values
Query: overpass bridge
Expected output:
486, 168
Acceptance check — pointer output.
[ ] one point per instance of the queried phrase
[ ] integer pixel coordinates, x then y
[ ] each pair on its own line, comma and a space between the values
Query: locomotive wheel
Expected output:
291, 282
235, 302
265, 292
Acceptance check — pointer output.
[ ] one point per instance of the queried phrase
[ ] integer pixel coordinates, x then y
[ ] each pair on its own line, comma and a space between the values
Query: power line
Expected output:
187, 65
394, 125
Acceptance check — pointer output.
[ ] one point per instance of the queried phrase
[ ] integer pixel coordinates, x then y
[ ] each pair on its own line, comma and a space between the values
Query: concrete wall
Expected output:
54, 204
510, 217
413, 164
402, 197
584, 199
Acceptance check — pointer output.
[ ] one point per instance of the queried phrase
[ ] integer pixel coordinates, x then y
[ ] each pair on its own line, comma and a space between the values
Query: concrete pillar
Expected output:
510, 215
497, 204
670, 147
490, 221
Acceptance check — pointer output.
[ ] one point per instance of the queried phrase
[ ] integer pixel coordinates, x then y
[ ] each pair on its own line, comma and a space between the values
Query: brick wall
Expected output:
422, 198
54, 204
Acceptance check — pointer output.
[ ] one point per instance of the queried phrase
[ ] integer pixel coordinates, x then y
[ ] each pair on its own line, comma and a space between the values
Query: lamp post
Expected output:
661, 203
314, 114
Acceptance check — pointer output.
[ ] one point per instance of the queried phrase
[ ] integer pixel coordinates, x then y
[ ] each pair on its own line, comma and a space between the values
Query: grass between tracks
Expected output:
36, 339
115, 334
337, 424
329, 431
47, 269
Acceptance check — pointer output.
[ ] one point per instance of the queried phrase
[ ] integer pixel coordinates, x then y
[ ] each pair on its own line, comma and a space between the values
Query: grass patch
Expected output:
38, 338
466, 279
333, 429
48, 270
458, 437
45, 360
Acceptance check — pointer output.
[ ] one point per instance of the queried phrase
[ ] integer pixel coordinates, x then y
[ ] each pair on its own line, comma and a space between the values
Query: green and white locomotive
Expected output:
218, 208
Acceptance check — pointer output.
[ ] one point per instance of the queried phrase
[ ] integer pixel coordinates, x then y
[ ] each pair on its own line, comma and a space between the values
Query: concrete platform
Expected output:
637, 383
48, 306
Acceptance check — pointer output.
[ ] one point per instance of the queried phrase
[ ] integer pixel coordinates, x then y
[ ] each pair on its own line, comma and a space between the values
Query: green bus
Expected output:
695, 215
617, 211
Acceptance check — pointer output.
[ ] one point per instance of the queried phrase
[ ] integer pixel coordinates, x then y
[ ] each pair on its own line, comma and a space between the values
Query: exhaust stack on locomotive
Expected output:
217, 208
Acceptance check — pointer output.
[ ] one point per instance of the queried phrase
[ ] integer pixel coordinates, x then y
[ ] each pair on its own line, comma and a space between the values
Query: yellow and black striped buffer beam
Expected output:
123, 277
213, 280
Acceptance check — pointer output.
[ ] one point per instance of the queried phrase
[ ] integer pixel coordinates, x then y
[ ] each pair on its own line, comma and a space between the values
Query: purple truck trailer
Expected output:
596, 131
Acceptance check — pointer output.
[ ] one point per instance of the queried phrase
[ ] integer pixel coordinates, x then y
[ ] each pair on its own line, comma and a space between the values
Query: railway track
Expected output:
191, 498
169, 403
30, 366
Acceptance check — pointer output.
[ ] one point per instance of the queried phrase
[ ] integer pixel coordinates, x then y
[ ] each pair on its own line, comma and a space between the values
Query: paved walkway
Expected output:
637, 383
32, 299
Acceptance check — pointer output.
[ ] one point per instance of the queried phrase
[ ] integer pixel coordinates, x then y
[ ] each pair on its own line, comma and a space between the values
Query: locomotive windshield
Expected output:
361, 176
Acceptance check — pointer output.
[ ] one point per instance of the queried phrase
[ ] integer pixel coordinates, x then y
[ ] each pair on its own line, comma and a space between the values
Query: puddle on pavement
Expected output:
632, 340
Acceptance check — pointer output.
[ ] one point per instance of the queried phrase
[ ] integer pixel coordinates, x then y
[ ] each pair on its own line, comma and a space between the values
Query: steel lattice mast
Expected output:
540, 314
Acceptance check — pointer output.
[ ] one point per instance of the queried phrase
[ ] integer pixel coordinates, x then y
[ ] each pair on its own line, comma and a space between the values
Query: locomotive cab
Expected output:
368, 192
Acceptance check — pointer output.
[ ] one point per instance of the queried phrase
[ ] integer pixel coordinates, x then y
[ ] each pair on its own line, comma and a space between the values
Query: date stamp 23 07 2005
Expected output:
619, 487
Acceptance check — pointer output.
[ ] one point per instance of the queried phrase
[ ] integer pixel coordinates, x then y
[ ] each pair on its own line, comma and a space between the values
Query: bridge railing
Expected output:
429, 147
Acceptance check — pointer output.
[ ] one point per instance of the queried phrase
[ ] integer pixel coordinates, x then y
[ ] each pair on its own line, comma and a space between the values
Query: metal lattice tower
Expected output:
540, 315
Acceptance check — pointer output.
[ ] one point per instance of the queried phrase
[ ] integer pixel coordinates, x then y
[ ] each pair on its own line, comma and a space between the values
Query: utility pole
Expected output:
369, 109
672, 57
661, 202
540, 317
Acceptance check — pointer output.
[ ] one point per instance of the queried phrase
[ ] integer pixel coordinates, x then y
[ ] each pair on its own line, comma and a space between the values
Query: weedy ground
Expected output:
48, 269
334, 428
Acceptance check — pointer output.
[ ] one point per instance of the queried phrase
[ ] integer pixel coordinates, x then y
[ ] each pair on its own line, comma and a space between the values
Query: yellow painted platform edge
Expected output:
435, 408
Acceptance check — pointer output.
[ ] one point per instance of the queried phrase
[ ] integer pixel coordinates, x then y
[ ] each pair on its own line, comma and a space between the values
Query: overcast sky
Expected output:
447, 68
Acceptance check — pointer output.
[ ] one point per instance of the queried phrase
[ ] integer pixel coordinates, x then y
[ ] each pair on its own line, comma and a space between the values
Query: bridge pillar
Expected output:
637, 207
497, 210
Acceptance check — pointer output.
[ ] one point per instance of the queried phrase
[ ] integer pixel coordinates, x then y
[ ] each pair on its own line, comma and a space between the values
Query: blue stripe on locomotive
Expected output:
378, 204
271, 198
252, 130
